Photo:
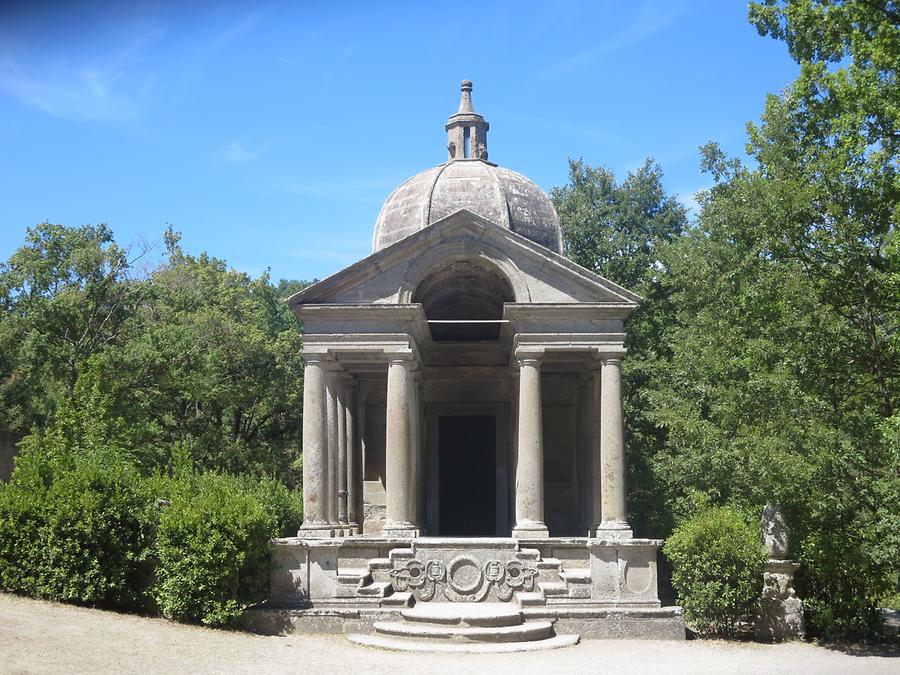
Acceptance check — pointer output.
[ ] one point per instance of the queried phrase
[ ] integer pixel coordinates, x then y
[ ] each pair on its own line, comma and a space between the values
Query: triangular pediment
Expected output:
545, 277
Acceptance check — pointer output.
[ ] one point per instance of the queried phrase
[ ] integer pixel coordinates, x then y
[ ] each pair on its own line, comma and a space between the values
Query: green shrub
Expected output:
97, 536
717, 561
21, 551
81, 533
213, 543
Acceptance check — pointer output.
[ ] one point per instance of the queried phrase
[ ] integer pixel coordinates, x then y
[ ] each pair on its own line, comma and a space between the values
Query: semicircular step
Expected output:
408, 645
530, 630
457, 613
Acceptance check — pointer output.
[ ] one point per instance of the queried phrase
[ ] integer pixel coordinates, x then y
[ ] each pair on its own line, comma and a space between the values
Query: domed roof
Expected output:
468, 181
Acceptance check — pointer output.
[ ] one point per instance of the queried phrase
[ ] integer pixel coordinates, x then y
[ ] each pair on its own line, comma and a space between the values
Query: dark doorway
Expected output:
468, 475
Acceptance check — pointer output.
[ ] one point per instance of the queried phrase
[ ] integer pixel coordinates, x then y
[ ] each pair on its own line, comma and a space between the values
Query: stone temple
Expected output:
462, 429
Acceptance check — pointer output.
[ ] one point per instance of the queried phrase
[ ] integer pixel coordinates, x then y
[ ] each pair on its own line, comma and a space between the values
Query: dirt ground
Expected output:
42, 637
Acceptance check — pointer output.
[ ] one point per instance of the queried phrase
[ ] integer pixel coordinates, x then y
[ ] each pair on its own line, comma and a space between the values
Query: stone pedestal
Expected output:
780, 610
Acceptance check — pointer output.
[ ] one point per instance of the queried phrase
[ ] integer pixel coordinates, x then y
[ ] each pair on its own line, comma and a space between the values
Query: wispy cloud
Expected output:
100, 88
236, 152
332, 59
652, 16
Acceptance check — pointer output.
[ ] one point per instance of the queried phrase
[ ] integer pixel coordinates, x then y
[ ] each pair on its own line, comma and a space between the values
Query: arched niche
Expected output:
463, 298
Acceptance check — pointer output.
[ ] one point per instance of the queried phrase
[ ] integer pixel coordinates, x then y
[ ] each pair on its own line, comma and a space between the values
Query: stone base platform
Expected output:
594, 587
595, 623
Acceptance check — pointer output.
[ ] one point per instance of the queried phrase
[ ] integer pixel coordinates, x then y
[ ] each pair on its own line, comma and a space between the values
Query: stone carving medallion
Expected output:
464, 578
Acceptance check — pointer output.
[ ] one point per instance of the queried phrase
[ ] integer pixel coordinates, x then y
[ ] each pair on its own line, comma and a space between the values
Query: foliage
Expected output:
194, 353
63, 298
213, 542
77, 519
717, 563
213, 362
781, 383
79, 523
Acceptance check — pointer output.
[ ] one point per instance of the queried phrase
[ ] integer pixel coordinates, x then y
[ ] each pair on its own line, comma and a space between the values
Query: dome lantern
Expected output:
466, 130
467, 180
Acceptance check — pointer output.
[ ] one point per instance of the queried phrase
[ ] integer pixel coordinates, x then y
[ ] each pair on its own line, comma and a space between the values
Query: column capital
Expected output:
405, 358
528, 352
611, 357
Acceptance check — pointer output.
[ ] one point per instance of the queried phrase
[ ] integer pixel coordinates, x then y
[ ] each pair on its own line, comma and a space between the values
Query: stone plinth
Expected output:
780, 610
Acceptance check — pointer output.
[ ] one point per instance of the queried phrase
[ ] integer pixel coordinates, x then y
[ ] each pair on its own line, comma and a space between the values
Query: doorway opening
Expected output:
467, 469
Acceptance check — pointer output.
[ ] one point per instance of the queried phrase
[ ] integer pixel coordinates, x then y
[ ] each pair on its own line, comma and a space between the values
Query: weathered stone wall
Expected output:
561, 508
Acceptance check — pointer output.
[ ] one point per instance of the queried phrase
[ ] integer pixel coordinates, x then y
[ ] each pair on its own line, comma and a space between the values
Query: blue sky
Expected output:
269, 134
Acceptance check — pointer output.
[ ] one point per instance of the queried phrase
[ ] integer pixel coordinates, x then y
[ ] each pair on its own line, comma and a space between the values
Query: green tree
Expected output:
213, 364
781, 383
831, 149
64, 297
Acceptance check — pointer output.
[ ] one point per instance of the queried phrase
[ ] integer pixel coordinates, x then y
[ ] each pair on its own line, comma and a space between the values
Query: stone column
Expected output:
331, 388
398, 450
612, 451
530, 461
315, 452
342, 453
353, 477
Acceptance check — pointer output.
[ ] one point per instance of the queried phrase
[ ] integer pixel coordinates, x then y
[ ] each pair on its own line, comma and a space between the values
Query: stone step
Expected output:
380, 569
578, 582
553, 588
527, 599
400, 554
528, 554
396, 599
409, 645
547, 563
532, 630
377, 589
353, 577
483, 614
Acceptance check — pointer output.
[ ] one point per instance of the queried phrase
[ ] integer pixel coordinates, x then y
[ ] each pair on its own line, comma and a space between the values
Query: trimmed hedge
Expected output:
76, 527
717, 560
83, 526
213, 543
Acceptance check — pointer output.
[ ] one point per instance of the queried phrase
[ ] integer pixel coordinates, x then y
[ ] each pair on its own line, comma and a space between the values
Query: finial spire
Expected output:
465, 100
466, 130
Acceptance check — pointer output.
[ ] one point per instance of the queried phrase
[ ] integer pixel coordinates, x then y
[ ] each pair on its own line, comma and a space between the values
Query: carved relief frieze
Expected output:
464, 578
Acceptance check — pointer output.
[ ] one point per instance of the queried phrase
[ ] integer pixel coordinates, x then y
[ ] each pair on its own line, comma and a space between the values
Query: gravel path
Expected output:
42, 637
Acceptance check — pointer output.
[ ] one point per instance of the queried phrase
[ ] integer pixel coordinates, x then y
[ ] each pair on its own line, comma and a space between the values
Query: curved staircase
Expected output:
486, 627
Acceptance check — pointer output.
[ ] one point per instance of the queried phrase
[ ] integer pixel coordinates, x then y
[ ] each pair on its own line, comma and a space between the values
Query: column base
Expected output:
315, 531
530, 529
613, 529
393, 528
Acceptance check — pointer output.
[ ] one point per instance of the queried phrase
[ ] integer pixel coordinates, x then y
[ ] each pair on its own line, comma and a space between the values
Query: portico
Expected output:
462, 421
